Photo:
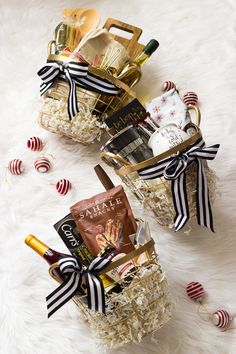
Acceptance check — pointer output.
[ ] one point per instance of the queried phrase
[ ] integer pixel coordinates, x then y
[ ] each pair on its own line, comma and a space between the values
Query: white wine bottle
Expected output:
130, 73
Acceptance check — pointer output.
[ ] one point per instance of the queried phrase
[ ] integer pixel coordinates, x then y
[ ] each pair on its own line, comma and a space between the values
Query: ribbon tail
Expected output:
62, 294
48, 74
98, 85
72, 104
180, 201
95, 293
204, 212
44, 87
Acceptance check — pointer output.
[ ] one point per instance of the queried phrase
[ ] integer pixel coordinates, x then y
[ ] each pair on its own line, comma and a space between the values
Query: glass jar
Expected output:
129, 145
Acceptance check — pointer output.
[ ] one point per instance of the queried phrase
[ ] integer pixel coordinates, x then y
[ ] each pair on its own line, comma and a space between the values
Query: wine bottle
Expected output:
130, 74
51, 256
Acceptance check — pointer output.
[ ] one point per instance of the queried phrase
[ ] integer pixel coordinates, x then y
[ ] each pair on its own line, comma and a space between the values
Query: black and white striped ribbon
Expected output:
74, 273
76, 74
173, 168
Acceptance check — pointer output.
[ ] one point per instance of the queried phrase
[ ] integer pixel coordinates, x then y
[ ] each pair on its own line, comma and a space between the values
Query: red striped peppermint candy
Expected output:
190, 98
42, 164
63, 186
221, 319
35, 144
16, 167
168, 85
195, 291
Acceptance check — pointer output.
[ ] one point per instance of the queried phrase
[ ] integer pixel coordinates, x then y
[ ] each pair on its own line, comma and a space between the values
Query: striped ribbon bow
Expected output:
74, 272
76, 74
173, 168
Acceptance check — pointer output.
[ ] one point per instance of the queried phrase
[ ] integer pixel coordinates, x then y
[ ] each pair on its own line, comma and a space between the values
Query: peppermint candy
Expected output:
16, 167
167, 86
190, 98
35, 144
195, 291
221, 319
42, 164
63, 186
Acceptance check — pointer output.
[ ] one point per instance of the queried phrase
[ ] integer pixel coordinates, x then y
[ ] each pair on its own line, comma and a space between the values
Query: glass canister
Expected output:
129, 145
66, 35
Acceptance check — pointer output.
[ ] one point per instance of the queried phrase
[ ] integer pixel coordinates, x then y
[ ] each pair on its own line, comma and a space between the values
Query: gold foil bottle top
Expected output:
36, 245
106, 281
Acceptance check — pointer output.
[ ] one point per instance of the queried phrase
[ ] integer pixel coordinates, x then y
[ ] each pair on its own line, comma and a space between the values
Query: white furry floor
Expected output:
198, 52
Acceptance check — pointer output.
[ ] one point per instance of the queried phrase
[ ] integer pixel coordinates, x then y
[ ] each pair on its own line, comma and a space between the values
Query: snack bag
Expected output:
105, 220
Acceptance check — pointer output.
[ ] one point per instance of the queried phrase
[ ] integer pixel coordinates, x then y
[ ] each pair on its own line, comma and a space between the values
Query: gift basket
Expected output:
113, 273
162, 158
87, 75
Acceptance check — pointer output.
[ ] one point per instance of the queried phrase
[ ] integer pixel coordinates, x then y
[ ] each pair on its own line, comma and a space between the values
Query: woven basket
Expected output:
94, 108
140, 309
87, 125
156, 194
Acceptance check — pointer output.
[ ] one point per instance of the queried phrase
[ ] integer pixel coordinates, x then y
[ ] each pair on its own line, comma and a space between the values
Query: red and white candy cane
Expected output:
195, 291
63, 186
16, 167
221, 319
35, 144
42, 164
167, 86
190, 98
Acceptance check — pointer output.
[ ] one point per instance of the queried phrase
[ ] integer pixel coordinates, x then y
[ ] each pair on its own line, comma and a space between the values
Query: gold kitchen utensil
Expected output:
88, 19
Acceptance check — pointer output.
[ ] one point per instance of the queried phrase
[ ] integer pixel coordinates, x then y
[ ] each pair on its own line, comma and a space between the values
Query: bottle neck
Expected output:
43, 250
37, 245
148, 50
50, 256
141, 59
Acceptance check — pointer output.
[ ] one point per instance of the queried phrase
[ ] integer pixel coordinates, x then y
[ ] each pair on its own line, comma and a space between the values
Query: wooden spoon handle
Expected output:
103, 177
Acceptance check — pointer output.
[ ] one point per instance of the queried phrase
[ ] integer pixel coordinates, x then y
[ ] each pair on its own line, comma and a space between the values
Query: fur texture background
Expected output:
198, 52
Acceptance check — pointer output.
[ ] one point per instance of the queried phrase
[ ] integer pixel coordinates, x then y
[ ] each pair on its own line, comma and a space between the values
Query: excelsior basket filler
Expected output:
140, 309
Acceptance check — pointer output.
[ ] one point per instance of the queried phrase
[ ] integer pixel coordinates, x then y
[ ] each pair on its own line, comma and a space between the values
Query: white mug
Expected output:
165, 138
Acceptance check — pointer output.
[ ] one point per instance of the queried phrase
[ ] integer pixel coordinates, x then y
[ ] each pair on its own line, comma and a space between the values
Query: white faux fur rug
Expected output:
198, 52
